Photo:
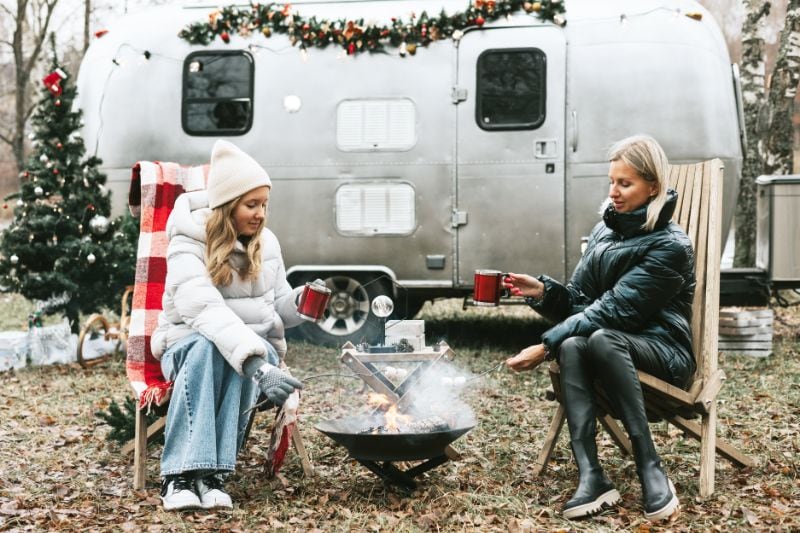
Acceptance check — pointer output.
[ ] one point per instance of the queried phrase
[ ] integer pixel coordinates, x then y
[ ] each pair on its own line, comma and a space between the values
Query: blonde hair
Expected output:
220, 241
643, 154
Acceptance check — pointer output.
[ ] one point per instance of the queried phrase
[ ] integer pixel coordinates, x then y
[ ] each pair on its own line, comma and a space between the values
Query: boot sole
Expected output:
666, 511
607, 499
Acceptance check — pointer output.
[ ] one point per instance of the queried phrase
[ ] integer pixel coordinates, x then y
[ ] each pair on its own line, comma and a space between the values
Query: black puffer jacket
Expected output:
630, 280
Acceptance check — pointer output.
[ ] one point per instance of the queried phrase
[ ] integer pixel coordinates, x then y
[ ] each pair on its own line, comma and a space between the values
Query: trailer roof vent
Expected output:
379, 124
375, 208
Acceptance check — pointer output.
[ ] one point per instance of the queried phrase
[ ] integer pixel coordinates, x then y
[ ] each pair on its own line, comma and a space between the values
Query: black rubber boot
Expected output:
594, 491
625, 393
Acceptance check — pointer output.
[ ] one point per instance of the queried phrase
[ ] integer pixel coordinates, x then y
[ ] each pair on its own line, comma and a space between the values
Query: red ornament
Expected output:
59, 146
225, 37
26, 174
480, 20
351, 49
53, 81
55, 171
306, 27
5, 206
90, 207
58, 103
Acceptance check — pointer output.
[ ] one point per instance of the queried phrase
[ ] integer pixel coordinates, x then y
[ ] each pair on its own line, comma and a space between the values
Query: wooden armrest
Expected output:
665, 389
709, 391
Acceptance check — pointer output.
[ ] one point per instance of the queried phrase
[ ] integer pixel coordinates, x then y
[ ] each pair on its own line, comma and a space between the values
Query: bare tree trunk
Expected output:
87, 16
796, 133
778, 142
753, 96
31, 23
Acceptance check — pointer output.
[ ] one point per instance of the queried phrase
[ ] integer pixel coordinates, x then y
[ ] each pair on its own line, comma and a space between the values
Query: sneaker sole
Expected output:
607, 499
666, 511
184, 506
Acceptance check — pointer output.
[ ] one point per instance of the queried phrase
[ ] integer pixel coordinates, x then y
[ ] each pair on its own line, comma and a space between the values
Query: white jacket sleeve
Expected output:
286, 298
202, 307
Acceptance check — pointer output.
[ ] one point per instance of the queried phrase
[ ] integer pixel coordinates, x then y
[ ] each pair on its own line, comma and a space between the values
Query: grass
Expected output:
58, 470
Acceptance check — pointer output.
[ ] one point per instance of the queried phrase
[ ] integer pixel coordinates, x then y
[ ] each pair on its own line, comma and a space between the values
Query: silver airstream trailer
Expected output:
403, 175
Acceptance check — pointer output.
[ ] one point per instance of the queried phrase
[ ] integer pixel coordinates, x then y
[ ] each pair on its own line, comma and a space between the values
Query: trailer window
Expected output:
217, 93
511, 89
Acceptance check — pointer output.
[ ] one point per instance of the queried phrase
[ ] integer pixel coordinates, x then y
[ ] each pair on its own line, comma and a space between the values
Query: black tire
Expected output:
348, 316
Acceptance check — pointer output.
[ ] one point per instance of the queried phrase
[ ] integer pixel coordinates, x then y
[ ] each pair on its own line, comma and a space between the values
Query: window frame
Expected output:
478, 94
186, 101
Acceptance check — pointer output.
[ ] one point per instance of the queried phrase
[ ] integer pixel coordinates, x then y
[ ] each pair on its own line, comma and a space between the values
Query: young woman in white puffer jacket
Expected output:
220, 335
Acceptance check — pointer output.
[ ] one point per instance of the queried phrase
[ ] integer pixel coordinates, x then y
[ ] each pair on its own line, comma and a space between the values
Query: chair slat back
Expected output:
699, 213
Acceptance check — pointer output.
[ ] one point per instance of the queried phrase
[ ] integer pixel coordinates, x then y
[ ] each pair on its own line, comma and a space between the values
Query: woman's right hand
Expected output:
523, 285
527, 359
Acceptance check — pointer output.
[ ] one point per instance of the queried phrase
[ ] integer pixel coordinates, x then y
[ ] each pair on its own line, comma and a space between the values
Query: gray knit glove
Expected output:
276, 384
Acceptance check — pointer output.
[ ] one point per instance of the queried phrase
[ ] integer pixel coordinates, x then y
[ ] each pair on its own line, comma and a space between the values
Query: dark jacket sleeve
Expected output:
638, 295
558, 301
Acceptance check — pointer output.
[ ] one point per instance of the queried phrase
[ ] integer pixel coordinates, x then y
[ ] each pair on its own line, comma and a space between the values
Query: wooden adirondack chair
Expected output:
154, 188
699, 212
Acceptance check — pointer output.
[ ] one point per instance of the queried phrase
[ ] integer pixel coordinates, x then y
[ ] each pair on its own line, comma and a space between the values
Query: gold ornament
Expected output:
537, 6
265, 31
411, 48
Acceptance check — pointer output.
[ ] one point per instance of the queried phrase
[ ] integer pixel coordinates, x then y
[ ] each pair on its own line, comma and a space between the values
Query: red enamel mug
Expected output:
313, 301
488, 287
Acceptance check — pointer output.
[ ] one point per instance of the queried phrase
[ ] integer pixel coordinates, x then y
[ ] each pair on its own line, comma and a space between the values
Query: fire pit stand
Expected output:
402, 478
434, 449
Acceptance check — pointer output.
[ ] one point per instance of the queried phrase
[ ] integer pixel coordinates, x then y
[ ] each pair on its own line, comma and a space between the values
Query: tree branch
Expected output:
6, 140
40, 38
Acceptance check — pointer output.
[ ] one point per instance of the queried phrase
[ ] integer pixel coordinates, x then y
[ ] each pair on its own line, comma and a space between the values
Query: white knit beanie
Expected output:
232, 174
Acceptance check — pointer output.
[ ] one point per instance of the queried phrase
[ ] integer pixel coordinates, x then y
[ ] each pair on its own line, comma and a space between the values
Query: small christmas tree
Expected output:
61, 246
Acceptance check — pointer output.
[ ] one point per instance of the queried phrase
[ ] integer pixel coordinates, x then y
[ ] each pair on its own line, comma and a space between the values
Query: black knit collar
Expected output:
630, 224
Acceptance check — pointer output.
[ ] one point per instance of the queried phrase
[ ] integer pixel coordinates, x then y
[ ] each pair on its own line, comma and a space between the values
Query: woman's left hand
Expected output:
527, 359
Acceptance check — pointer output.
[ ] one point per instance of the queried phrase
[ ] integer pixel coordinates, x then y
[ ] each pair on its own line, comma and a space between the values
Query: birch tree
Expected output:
31, 22
782, 91
755, 114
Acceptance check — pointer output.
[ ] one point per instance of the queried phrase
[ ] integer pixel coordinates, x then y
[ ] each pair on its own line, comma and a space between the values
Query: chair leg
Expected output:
550, 441
297, 441
707, 448
140, 450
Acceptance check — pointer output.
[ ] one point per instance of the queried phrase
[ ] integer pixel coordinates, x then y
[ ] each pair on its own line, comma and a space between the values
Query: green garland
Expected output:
355, 36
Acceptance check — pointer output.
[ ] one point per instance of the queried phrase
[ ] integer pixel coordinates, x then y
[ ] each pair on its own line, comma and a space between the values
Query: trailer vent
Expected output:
376, 125
375, 209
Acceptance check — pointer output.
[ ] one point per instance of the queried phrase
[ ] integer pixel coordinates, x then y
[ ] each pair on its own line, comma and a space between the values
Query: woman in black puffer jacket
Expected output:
628, 306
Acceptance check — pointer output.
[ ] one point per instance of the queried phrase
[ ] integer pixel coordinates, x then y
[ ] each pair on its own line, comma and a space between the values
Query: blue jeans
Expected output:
206, 420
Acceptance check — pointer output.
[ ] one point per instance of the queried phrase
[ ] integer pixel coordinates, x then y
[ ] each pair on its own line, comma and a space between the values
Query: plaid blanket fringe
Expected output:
153, 190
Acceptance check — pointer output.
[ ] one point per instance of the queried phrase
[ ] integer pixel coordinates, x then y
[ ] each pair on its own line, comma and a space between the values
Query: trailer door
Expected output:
509, 201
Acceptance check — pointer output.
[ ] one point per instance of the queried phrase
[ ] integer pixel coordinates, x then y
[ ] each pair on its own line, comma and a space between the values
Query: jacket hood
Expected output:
189, 217
630, 224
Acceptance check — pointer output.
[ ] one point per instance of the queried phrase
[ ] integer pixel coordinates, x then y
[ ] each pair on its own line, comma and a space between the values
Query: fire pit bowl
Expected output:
367, 446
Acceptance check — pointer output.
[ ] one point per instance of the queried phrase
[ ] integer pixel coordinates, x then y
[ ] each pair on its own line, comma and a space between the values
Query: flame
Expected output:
393, 418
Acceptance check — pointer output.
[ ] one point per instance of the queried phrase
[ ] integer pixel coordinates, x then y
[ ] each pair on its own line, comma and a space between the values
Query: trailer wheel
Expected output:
348, 316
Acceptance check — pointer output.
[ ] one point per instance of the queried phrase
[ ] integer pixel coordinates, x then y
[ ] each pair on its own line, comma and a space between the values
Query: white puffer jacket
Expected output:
235, 318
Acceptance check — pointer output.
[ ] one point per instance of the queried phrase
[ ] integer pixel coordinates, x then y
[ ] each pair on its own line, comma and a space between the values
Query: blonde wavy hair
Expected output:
221, 239
644, 155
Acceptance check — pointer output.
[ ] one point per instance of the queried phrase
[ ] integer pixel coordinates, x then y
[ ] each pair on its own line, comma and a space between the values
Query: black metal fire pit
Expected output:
377, 451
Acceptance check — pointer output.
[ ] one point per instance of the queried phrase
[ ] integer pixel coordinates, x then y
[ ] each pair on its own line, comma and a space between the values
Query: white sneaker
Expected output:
178, 493
212, 494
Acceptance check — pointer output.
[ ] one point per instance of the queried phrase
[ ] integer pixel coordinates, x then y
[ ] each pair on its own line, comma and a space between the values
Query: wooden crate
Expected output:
746, 331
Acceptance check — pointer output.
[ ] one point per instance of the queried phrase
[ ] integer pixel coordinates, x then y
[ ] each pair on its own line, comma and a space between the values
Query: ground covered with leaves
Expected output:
59, 471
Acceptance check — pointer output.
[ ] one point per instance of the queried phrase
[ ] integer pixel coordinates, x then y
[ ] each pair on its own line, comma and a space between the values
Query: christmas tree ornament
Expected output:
480, 21
14, 259
55, 171
20, 203
5, 206
38, 191
226, 38
59, 146
43, 158
99, 224
53, 82
91, 258
31, 136
411, 48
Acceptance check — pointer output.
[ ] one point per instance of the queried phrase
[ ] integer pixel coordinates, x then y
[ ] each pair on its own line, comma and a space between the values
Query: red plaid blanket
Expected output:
154, 188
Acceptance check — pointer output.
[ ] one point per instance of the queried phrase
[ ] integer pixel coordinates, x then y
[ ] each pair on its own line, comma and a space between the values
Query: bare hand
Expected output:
527, 359
523, 285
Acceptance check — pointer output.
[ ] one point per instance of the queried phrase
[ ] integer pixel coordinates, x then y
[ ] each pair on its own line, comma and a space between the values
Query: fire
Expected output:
393, 418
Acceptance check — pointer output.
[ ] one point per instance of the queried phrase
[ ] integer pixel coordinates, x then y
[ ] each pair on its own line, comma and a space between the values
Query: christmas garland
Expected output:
356, 36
